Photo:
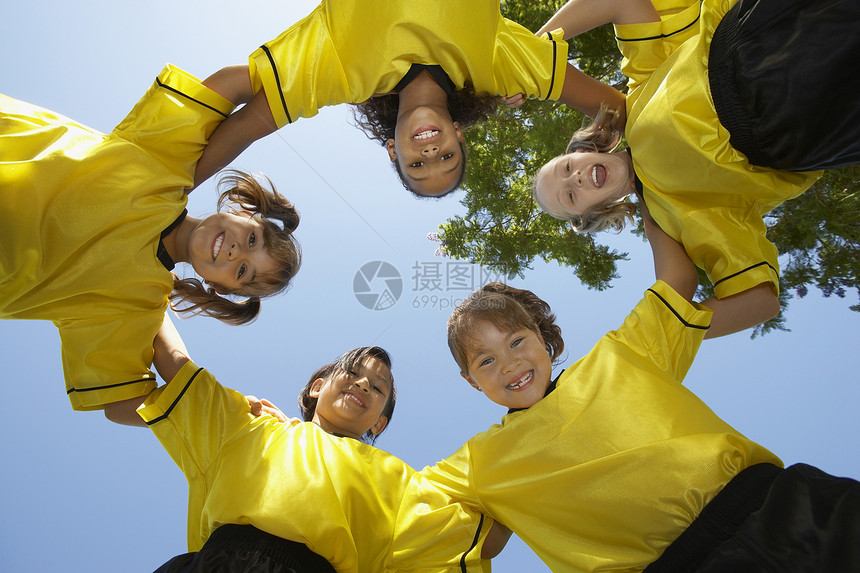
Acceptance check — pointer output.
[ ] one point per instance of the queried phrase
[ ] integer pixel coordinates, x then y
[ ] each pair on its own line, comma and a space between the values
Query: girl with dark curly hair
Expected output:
438, 70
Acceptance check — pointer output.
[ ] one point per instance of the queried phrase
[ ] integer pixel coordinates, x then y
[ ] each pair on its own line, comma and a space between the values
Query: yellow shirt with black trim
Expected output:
82, 214
702, 192
359, 507
610, 467
346, 51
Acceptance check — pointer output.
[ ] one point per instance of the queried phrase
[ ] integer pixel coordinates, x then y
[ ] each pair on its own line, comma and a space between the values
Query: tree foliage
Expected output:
505, 231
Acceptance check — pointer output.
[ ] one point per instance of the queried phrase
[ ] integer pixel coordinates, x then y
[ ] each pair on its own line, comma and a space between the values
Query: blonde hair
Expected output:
603, 135
509, 309
242, 191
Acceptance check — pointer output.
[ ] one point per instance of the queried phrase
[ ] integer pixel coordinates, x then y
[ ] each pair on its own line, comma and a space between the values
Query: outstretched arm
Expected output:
743, 310
578, 16
672, 265
587, 94
250, 123
731, 314
496, 540
170, 355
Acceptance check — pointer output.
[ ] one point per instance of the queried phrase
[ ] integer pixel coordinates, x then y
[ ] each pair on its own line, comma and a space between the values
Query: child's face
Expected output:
512, 368
427, 145
351, 403
574, 183
228, 251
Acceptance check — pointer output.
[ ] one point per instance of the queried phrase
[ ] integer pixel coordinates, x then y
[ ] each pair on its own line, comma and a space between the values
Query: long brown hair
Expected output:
242, 191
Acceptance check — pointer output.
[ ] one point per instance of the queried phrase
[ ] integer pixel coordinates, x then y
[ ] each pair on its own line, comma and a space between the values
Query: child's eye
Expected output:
252, 240
486, 361
516, 342
447, 156
377, 388
417, 164
241, 273
567, 167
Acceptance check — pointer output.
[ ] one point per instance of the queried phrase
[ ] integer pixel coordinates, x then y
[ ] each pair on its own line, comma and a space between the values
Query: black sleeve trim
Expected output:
463, 567
749, 268
554, 57
277, 81
186, 96
178, 398
661, 35
70, 390
675, 312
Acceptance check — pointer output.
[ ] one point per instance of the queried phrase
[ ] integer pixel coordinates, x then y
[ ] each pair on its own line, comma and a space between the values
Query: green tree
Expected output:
504, 230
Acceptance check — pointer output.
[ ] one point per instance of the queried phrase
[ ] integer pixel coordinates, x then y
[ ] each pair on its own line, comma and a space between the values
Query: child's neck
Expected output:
176, 242
422, 91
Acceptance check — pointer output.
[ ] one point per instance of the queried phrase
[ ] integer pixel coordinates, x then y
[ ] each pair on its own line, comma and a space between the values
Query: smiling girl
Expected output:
314, 496
421, 71
732, 108
93, 224
614, 465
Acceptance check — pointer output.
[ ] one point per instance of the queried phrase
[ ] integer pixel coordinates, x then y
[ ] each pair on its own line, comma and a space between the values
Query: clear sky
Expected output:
81, 494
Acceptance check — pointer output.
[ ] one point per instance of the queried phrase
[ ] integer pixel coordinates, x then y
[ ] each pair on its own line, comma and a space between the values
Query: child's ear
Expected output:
389, 146
380, 424
217, 288
316, 387
460, 137
468, 379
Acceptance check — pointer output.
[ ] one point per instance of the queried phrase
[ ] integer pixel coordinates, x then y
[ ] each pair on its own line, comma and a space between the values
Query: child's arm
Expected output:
731, 314
586, 94
578, 16
672, 265
496, 540
250, 123
169, 356
743, 310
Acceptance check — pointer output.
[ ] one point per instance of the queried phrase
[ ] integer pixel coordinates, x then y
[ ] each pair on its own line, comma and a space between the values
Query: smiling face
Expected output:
228, 251
574, 183
512, 368
426, 145
349, 403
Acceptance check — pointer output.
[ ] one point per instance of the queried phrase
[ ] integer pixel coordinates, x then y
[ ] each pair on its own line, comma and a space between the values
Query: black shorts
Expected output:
784, 79
246, 549
770, 520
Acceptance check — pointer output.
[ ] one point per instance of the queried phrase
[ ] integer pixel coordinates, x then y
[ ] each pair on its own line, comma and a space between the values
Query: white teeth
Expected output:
216, 248
594, 175
426, 134
519, 383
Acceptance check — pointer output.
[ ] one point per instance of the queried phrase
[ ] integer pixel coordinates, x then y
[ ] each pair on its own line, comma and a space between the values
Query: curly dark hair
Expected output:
377, 118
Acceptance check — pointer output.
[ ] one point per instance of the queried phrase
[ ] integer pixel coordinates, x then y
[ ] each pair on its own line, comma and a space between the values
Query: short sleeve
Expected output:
172, 122
106, 356
732, 247
454, 477
645, 46
432, 530
661, 335
193, 417
525, 63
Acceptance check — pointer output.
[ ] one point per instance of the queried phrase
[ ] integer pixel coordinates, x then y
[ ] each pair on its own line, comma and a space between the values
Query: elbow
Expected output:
767, 304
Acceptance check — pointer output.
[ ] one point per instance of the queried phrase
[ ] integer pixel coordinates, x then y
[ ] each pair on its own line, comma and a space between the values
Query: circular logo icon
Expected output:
377, 285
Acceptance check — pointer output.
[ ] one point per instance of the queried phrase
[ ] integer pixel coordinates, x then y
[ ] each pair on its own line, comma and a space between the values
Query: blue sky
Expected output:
81, 494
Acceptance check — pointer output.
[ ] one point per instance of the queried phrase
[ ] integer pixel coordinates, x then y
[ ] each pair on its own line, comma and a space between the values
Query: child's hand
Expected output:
260, 407
514, 101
